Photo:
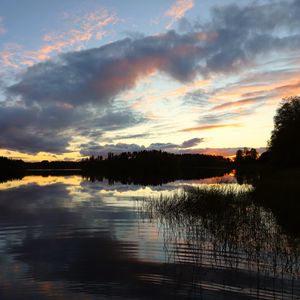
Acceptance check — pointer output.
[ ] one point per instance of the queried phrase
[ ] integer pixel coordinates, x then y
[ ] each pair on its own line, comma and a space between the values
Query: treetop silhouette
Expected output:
284, 143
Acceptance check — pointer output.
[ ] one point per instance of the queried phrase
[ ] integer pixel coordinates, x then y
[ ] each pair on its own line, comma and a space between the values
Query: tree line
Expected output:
283, 149
284, 144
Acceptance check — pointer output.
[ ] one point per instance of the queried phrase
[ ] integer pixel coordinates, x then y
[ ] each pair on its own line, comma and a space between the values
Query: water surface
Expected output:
64, 237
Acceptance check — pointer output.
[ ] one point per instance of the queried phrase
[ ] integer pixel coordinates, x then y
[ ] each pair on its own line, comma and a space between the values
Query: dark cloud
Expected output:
198, 97
214, 118
74, 94
33, 130
245, 32
230, 41
162, 146
116, 120
211, 119
93, 148
98, 75
191, 143
96, 125
96, 149
51, 128
133, 136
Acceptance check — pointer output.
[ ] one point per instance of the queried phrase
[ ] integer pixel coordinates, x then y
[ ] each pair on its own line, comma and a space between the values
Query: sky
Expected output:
87, 77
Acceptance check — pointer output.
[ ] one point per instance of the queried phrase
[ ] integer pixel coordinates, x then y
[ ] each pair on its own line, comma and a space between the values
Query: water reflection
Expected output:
239, 249
63, 237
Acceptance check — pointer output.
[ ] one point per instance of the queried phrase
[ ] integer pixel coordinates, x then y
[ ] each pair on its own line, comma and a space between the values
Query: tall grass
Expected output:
222, 225
212, 199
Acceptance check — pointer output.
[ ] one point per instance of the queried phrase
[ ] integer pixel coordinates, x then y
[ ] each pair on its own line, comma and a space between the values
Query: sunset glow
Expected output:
82, 78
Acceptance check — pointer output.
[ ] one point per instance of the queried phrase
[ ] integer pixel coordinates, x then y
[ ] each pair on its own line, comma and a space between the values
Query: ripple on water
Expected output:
66, 238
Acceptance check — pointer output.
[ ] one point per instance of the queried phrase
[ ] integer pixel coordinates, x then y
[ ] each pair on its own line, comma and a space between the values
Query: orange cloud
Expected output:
239, 89
178, 10
125, 73
209, 127
234, 104
253, 94
288, 89
7, 59
228, 152
84, 28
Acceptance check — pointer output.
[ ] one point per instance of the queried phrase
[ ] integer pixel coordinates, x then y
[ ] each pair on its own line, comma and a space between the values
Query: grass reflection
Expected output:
222, 228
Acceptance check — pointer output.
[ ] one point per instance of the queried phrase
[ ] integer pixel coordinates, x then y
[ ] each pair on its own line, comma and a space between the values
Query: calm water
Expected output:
63, 237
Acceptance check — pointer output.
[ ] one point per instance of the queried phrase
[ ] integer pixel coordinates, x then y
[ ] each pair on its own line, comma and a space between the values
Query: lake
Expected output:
67, 237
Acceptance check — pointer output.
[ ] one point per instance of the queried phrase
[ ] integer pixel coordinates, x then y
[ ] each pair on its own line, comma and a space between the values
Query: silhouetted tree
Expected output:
10, 168
154, 166
265, 157
246, 156
239, 156
285, 143
253, 154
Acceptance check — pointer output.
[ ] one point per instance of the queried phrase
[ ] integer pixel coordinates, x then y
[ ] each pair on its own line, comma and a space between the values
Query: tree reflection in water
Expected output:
221, 240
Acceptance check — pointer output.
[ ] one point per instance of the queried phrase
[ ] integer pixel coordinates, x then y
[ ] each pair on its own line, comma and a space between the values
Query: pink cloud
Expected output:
11, 56
178, 10
7, 59
234, 104
209, 127
81, 29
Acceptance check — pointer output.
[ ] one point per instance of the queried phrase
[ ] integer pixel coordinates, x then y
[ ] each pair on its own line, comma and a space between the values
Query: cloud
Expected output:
178, 10
233, 40
52, 128
253, 95
231, 151
234, 104
77, 30
113, 120
162, 146
197, 97
95, 149
175, 147
209, 127
98, 75
211, 119
244, 32
74, 93
12, 57
34, 130
90, 149
191, 143
83, 28
132, 136
108, 120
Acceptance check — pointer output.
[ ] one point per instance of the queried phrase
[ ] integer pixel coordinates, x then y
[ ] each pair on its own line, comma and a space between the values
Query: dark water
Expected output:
63, 237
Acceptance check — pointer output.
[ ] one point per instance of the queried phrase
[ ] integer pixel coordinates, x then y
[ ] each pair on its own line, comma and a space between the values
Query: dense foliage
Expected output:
144, 167
154, 166
10, 165
10, 168
246, 156
154, 160
284, 143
